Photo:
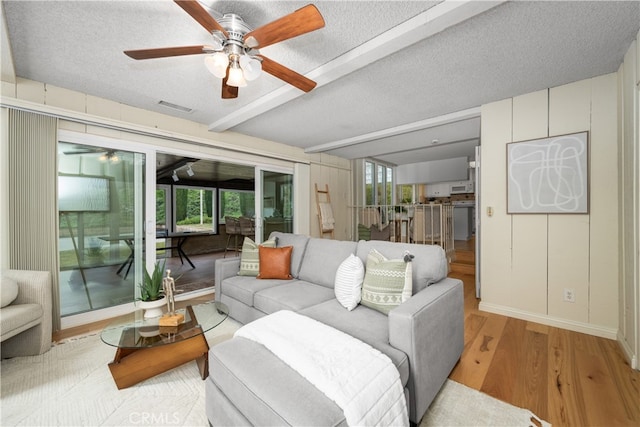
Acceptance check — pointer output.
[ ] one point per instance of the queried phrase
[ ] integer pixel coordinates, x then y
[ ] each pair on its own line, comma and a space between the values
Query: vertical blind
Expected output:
33, 225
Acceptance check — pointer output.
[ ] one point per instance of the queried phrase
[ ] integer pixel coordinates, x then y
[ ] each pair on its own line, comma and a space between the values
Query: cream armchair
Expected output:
25, 324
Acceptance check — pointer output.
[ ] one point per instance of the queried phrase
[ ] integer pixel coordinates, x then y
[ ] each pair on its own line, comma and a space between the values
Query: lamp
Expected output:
190, 171
251, 67
229, 55
217, 64
236, 77
175, 176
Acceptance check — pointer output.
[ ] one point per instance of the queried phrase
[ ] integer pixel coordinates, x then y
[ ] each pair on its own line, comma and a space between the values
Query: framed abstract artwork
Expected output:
549, 175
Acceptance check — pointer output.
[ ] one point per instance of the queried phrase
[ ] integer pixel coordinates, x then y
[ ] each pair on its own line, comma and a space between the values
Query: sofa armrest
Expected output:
34, 287
225, 267
429, 329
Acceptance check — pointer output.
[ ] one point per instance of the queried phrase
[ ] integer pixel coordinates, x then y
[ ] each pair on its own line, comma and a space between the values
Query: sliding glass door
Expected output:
101, 199
275, 202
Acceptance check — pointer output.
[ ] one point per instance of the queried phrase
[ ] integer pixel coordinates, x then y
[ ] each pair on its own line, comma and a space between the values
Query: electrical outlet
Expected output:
569, 295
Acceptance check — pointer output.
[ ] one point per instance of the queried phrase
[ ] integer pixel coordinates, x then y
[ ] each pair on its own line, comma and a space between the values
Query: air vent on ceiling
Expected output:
175, 106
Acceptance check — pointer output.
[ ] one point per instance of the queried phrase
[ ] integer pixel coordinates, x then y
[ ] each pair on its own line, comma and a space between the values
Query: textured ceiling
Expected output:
498, 52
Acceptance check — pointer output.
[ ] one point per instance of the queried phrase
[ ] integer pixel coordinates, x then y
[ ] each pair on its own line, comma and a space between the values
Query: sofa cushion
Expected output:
299, 243
292, 296
8, 291
243, 288
322, 259
348, 282
429, 265
387, 282
249, 258
19, 317
369, 326
275, 263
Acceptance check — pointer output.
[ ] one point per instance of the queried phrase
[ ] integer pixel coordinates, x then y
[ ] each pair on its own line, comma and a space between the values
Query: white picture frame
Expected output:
549, 175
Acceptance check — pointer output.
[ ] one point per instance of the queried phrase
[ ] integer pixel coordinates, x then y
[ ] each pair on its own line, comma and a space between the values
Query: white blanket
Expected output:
326, 215
361, 380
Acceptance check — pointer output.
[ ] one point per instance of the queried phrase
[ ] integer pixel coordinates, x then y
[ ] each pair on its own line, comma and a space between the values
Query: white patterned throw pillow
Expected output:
249, 257
387, 282
348, 282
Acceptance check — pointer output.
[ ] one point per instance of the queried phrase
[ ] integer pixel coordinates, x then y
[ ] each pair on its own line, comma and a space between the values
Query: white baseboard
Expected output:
628, 351
195, 294
585, 328
67, 322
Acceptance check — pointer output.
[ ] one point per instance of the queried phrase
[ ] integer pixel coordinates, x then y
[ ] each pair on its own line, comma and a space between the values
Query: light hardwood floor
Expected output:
564, 377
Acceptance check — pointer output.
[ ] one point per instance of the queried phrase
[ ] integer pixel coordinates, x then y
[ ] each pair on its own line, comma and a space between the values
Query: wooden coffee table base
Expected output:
133, 365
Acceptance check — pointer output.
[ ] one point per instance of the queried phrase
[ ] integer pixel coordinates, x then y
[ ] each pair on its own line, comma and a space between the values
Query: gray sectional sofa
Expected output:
424, 336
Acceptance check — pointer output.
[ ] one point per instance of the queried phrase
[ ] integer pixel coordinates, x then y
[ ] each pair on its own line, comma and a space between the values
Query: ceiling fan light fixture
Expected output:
251, 67
217, 64
231, 55
109, 156
235, 76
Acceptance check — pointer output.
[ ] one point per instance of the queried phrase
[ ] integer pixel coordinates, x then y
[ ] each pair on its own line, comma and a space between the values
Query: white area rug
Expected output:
71, 385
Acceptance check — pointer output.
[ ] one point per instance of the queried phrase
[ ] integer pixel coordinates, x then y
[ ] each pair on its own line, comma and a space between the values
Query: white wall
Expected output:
528, 260
456, 169
629, 178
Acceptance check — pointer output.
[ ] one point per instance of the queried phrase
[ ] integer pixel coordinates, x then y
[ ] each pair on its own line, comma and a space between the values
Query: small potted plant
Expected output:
152, 297
94, 252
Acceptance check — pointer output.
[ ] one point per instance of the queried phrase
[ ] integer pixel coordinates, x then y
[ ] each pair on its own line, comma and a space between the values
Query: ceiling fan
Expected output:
233, 55
105, 154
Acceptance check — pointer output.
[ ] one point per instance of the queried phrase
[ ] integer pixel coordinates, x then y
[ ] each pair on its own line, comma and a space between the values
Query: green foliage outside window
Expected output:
161, 207
237, 203
194, 206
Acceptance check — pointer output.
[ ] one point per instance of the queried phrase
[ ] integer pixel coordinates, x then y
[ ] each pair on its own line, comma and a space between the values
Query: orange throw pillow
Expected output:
275, 263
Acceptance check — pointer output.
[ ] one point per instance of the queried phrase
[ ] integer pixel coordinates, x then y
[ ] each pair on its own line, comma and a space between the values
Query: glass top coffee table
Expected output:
145, 349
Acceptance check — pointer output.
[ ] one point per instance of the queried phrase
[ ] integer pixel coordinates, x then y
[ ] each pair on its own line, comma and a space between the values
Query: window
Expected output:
194, 208
368, 183
378, 184
163, 207
389, 186
237, 203
406, 193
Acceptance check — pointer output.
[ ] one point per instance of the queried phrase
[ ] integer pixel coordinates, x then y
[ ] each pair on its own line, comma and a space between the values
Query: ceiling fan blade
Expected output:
297, 23
198, 13
286, 74
228, 92
164, 52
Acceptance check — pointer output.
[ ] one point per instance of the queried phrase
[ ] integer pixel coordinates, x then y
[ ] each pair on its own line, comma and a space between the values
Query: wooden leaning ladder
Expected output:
325, 213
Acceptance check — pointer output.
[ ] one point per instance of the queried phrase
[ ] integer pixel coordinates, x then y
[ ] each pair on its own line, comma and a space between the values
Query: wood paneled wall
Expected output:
339, 180
528, 260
